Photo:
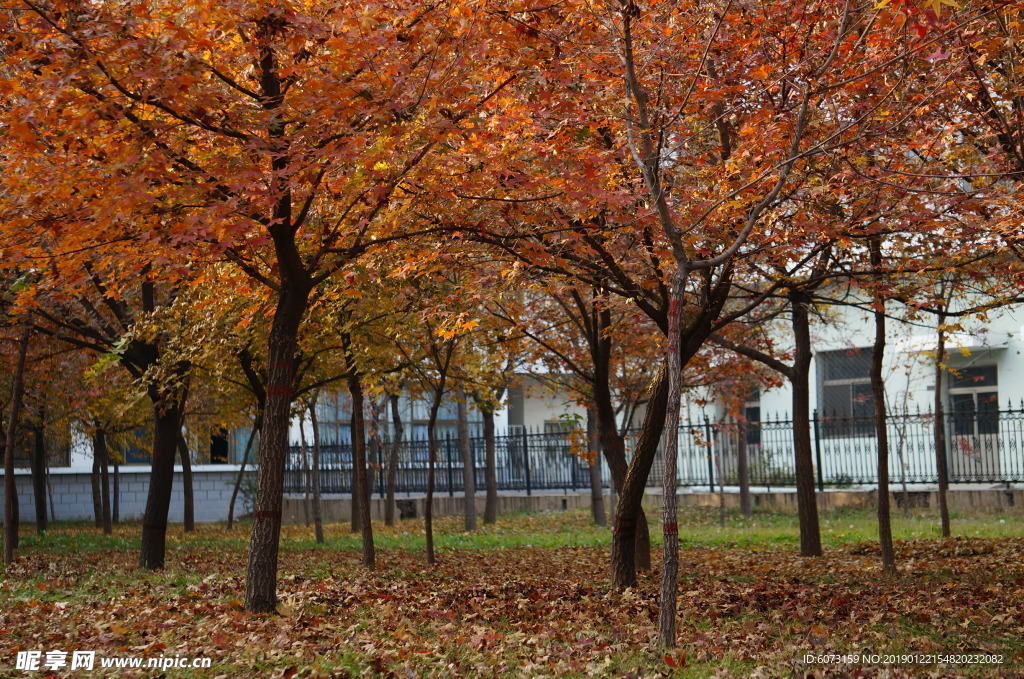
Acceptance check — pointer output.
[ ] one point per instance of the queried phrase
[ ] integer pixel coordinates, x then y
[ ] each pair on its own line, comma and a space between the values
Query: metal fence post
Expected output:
711, 462
451, 475
526, 459
817, 452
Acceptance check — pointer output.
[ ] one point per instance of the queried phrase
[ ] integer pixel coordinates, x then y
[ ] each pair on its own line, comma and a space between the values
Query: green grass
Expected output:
699, 526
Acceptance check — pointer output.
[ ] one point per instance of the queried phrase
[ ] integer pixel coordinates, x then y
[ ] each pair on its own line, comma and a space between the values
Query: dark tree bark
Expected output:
257, 423
669, 498
13, 419
94, 482
293, 297
594, 322
719, 468
49, 492
188, 496
627, 510
115, 504
597, 511
612, 444
39, 471
441, 357
360, 486
374, 451
490, 467
137, 357
428, 512
393, 448
939, 428
101, 459
881, 431
468, 467
743, 466
307, 479
167, 415
807, 504
318, 522
614, 449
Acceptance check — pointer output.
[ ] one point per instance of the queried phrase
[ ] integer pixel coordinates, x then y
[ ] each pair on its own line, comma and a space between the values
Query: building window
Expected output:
845, 403
974, 397
752, 424
751, 418
516, 408
137, 450
219, 447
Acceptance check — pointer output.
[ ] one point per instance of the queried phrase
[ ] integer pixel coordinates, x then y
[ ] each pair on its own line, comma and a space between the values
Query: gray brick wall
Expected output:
72, 493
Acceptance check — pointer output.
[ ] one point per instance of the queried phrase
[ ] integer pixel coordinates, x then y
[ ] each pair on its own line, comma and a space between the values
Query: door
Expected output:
974, 440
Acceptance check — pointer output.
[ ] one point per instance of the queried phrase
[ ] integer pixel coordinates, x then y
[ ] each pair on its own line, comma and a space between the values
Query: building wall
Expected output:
909, 356
542, 405
72, 493
909, 372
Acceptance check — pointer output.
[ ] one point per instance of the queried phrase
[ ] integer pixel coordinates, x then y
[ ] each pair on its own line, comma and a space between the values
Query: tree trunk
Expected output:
807, 506
39, 471
743, 467
167, 415
115, 505
719, 468
393, 449
627, 511
377, 408
468, 467
597, 511
357, 477
882, 436
307, 480
257, 423
188, 496
490, 467
360, 486
261, 572
318, 522
614, 448
881, 431
10, 489
428, 512
94, 482
669, 498
903, 465
939, 428
101, 458
49, 490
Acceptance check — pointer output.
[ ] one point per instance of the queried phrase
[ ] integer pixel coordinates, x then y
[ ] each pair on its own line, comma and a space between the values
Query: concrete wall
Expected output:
971, 500
212, 484
339, 509
72, 493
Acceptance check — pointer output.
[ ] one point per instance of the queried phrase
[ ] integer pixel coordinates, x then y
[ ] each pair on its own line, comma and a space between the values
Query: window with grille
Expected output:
974, 400
752, 418
845, 403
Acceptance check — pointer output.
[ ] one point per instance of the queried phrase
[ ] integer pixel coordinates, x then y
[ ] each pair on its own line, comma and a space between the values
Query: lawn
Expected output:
530, 597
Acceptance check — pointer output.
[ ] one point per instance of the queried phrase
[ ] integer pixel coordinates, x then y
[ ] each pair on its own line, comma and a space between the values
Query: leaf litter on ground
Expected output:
519, 610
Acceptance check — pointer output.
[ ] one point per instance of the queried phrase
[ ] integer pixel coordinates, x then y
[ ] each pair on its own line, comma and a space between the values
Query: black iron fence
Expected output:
524, 461
982, 447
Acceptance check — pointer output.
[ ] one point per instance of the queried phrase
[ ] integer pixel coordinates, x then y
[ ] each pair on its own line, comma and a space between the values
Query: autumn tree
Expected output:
721, 112
604, 346
287, 140
10, 443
